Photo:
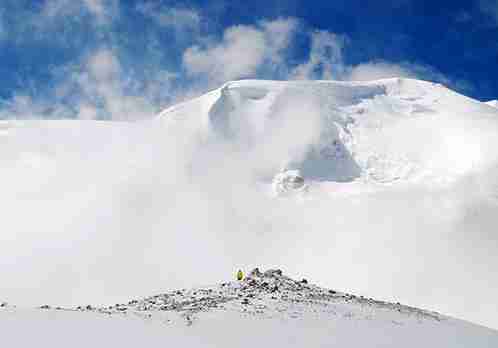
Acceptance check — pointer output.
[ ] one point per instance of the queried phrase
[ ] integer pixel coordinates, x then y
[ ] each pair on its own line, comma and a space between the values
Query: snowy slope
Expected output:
493, 103
265, 309
387, 189
382, 131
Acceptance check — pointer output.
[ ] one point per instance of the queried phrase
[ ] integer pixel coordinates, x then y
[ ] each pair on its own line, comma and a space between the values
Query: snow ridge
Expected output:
383, 132
266, 309
268, 295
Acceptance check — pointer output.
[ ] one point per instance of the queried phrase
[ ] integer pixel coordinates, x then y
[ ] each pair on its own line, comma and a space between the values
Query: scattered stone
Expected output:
256, 273
268, 293
273, 273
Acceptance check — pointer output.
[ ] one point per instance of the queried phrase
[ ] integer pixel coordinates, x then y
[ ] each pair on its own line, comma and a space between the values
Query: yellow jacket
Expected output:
240, 275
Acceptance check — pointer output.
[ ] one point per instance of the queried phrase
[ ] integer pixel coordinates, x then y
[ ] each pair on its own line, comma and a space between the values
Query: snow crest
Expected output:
381, 132
266, 309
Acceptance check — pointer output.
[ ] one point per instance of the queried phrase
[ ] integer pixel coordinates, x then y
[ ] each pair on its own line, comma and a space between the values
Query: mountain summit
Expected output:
266, 309
385, 132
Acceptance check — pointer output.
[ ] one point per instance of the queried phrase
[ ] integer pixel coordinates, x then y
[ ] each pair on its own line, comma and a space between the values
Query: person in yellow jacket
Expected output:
240, 275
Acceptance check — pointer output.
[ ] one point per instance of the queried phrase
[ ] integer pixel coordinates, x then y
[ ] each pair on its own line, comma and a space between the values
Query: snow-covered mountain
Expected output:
388, 131
266, 309
387, 189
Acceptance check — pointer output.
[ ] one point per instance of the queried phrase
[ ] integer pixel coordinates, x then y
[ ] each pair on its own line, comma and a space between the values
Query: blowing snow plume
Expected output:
389, 192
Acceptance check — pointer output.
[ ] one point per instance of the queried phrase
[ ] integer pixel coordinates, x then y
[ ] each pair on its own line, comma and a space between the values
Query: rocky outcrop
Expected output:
265, 294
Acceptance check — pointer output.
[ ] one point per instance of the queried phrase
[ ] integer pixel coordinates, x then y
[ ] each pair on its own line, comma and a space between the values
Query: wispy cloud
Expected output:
102, 89
238, 55
97, 87
103, 10
325, 60
242, 52
378, 69
176, 18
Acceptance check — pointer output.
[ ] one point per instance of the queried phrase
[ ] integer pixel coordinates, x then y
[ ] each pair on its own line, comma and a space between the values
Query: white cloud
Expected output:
241, 52
23, 106
263, 51
375, 70
179, 19
107, 90
326, 62
103, 83
104, 66
96, 88
379, 70
325, 58
103, 10
279, 34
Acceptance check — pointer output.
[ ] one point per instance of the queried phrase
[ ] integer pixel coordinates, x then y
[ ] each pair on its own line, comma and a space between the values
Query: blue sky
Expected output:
124, 59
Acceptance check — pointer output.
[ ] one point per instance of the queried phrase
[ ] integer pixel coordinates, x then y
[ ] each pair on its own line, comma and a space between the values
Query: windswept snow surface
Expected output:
387, 189
265, 310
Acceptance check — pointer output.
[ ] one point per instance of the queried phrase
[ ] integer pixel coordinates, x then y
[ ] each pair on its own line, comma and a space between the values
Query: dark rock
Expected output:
256, 273
273, 273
